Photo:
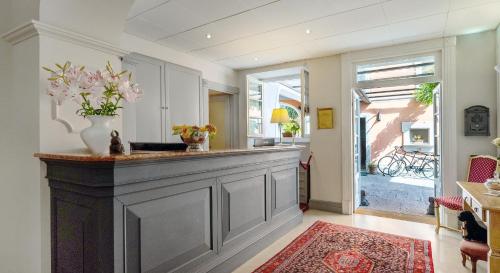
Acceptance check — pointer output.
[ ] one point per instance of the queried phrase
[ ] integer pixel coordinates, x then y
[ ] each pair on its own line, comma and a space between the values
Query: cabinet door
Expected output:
144, 120
183, 98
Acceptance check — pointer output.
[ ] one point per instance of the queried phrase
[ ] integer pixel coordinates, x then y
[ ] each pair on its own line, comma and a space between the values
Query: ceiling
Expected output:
252, 33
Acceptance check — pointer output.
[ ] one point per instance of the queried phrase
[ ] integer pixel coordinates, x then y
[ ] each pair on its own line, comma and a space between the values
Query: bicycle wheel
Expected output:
396, 168
384, 162
427, 170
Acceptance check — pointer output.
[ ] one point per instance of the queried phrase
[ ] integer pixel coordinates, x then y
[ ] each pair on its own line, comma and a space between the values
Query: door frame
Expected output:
234, 99
447, 49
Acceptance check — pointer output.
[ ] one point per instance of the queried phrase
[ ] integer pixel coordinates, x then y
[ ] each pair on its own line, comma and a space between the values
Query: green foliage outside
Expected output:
292, 113
292, 127
423, 94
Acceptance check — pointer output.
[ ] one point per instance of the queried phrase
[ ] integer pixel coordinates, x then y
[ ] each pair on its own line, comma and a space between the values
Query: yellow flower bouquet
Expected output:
194, 136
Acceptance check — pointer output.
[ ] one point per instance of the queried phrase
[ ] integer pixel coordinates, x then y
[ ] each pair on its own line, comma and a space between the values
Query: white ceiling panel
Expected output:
471, 20
250, 33
418, 27
460, 4
143, 29
321, 28
282, 14
141, 6
401, 10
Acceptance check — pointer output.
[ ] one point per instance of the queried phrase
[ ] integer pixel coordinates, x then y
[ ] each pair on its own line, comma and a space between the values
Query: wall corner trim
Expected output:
35, 28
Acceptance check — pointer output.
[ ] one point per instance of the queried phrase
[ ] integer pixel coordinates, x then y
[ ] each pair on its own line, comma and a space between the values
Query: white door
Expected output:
356, 146
437, 140
183, 97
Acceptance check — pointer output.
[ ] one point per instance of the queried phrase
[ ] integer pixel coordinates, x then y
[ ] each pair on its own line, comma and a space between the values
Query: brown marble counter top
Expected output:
152, 155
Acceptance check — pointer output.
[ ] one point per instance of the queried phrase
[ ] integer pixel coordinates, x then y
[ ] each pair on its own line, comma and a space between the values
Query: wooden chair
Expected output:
481, 168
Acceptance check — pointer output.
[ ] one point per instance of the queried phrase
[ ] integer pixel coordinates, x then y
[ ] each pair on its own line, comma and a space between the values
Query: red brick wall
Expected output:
383, 135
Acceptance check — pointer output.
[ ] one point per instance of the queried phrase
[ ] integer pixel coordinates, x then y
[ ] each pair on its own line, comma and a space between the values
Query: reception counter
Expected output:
169, 211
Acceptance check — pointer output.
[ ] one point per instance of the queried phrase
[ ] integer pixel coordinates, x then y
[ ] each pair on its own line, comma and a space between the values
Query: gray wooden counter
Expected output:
170, 211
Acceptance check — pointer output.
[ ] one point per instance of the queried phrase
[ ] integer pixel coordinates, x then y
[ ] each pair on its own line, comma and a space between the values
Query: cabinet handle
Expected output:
164, 108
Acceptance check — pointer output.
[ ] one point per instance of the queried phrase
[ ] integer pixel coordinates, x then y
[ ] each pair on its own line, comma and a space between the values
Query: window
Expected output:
255, 94
400, 71
286, 88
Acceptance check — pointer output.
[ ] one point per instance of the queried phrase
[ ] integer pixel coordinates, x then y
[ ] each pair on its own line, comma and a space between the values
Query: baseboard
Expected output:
326, 206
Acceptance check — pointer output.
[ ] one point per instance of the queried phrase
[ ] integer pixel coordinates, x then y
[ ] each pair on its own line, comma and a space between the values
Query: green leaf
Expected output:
424, 93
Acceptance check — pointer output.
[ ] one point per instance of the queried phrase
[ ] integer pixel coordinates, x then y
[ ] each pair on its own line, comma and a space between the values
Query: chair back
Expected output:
481, 168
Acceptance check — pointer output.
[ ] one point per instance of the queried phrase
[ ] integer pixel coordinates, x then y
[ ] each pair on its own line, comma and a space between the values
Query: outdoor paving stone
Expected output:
406, 194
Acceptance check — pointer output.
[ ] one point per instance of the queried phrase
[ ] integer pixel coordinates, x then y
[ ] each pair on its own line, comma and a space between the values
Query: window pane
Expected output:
403, 68
254, 90
255, 126
255, 108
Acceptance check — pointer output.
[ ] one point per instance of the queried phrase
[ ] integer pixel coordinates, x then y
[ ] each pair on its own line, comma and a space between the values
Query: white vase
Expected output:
97, 137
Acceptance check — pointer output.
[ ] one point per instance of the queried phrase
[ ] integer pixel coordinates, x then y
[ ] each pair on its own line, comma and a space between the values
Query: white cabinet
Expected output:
172, 96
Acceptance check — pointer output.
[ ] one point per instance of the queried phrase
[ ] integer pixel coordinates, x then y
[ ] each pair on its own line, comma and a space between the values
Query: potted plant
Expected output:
194, 136
372, 168
99, 95
291, 129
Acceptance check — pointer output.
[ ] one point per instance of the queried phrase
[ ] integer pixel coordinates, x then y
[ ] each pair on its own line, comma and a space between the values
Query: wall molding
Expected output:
326, 206
35, 28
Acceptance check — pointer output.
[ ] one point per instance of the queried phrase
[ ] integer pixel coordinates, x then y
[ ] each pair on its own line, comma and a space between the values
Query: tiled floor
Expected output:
445, 251
405, 194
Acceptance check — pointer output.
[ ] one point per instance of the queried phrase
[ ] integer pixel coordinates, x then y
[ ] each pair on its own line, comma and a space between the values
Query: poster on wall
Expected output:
326, 118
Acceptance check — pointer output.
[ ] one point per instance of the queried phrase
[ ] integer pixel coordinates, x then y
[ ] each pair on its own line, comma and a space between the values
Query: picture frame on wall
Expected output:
326, 117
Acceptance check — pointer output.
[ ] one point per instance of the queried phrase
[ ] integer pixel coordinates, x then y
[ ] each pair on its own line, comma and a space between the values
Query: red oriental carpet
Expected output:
330, 248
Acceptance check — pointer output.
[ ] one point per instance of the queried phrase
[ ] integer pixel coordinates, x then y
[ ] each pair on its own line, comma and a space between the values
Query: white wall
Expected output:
476, 85
326, 144
498, 79
211, 71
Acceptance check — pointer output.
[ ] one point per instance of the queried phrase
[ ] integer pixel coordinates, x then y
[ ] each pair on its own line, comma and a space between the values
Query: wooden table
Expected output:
487, 208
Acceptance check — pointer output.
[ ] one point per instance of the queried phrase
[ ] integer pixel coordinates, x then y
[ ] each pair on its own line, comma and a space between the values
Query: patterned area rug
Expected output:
327, 248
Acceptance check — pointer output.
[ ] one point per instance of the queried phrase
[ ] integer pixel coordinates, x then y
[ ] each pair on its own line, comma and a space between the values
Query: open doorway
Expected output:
396, 138
219, 111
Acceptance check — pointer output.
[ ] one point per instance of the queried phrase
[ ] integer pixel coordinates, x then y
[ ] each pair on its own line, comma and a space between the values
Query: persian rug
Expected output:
327, 248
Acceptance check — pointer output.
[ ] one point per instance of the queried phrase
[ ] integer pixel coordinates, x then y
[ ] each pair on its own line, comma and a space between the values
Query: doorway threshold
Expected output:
425, 219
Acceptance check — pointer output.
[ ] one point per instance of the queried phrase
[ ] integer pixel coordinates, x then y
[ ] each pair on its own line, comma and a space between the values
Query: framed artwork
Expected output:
326, 117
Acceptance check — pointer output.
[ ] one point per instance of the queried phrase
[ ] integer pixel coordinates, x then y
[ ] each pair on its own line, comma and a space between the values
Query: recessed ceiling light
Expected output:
255, 59
308, 31
209, 36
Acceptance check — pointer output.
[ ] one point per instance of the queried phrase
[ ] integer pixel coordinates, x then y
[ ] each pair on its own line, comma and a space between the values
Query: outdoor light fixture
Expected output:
378, 117
497, 68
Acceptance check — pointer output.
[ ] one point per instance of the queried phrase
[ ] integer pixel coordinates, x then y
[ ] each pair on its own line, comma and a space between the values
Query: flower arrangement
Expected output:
188, 132
98, 93
194, 136
496, 142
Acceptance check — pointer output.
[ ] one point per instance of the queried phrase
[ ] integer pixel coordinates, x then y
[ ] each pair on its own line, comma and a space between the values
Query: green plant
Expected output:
292, 113
424, 94
292, 127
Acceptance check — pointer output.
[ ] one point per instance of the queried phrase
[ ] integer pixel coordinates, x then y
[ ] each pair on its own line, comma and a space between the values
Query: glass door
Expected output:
436, 106
356, 106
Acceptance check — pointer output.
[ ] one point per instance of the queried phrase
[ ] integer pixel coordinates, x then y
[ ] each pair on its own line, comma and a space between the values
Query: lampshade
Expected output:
497, 68
280, 115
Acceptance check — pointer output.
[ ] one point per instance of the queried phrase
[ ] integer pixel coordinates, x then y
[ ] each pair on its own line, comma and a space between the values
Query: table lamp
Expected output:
280, 116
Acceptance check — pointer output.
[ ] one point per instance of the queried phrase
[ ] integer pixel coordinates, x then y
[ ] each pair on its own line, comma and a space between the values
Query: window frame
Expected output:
369, 84
248, 117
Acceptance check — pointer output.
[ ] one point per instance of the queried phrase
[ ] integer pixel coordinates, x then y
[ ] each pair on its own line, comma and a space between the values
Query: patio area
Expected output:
406, 194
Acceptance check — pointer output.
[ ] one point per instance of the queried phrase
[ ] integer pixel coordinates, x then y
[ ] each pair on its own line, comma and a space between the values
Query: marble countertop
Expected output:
153, 155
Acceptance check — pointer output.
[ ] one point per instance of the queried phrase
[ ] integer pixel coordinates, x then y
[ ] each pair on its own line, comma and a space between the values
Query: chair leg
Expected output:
473, 262
438, 216
464, 258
